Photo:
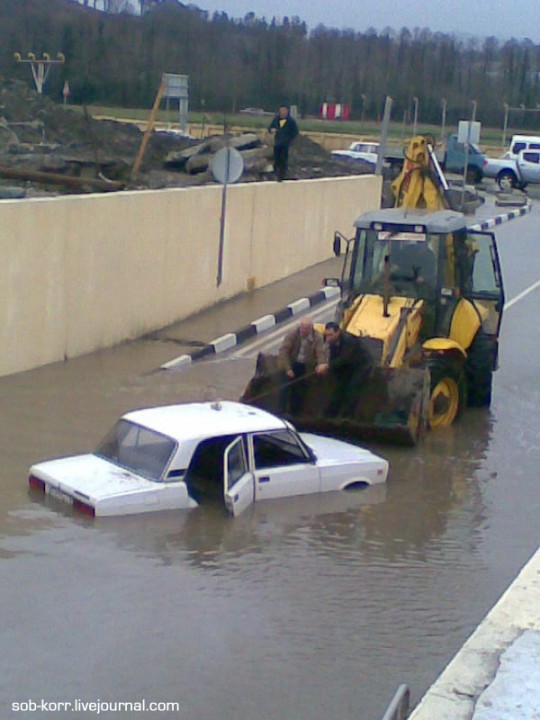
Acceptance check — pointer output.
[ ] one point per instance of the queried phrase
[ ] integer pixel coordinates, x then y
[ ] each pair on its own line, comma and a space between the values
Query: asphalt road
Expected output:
297, 609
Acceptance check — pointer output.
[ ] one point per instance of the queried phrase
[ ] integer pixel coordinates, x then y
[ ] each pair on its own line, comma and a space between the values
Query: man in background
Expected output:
284, 129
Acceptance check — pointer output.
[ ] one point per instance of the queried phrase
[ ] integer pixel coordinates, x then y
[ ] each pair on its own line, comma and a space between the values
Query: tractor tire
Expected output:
448, 396
479, 371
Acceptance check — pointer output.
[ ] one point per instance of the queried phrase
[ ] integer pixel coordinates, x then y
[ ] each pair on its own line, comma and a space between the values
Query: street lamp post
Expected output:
40, 66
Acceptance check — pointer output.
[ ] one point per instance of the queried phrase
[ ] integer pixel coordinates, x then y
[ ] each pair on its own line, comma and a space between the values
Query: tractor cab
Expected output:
428, 258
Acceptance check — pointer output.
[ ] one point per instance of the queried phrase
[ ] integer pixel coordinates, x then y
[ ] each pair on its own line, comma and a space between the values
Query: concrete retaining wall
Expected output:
81, 273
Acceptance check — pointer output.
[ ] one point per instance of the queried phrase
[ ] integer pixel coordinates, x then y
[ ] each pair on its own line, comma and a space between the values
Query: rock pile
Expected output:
46, 148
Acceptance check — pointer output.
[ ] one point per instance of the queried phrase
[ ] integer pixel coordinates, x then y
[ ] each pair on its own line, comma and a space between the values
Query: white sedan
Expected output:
366, 151
177, 456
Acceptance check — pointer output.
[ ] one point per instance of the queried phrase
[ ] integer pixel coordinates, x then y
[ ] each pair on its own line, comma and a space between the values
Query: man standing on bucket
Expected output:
284, 129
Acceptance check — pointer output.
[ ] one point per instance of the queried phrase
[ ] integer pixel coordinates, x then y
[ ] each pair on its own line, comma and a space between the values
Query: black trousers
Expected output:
345, 395
293, 391
281, 160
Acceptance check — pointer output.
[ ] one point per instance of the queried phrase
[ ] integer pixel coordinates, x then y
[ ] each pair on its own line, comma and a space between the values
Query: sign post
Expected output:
227, 167
177, 86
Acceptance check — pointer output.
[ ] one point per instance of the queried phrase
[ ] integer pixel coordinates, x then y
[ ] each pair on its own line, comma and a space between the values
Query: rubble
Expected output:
41, 142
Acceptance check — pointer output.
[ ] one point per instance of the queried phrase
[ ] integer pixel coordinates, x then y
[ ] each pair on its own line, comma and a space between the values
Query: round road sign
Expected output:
227, 165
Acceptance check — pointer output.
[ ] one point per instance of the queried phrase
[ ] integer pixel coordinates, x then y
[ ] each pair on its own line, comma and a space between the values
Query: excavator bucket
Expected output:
390, 407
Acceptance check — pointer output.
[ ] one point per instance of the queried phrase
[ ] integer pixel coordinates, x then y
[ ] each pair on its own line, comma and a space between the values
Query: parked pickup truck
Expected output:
451, 157
516, 172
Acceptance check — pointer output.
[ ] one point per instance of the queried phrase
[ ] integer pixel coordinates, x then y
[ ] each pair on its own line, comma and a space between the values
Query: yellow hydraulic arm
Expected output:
417, 185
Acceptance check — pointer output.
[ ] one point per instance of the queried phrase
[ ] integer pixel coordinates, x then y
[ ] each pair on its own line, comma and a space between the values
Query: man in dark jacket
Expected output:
284, 129
350, 363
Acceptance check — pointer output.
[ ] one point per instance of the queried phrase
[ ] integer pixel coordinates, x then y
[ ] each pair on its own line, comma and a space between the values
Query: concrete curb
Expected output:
230, 340
500, 219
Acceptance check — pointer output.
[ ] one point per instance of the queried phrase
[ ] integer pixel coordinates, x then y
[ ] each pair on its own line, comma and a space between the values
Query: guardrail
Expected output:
399, 707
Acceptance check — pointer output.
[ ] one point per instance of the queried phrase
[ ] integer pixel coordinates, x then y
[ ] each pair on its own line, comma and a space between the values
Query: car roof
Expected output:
196, 421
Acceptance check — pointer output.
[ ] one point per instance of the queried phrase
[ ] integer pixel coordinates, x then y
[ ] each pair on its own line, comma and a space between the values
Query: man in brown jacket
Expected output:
302, 352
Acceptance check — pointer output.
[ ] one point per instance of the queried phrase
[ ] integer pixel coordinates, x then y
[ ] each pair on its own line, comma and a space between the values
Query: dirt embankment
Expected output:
42, 142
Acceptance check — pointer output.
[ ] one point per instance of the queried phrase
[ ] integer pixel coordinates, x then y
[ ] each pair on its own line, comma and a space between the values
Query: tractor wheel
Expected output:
479, 371
448, 392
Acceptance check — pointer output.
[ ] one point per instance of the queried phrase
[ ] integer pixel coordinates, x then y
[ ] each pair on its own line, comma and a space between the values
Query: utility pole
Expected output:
40, 66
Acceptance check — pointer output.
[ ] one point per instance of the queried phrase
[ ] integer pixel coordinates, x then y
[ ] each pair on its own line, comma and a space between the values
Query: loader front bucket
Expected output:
390, 407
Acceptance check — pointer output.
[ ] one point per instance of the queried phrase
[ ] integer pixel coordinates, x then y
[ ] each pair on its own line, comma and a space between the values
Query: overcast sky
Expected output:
502, 18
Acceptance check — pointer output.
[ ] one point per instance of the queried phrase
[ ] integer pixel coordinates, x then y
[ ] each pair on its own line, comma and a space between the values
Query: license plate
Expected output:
59, 495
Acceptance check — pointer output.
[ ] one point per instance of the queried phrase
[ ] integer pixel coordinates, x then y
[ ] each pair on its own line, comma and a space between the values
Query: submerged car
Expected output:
178, 456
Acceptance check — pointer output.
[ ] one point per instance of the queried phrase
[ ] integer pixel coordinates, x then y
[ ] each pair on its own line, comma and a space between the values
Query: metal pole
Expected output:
384, 134
415, 120
466, 164
505, 124
222, 220
364, 98
443, 119
399, 707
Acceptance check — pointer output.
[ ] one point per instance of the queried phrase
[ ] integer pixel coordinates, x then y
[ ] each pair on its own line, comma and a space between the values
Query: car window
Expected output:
281, 447
518, 147
138, 449
532, 157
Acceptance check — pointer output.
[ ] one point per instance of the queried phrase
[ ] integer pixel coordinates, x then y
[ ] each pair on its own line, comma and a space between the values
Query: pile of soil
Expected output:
40, 136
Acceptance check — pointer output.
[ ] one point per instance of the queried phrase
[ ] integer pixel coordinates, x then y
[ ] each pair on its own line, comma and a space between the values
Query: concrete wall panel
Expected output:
81, 273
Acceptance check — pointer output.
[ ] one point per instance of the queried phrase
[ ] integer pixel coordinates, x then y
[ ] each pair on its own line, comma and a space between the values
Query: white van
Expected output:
520, 143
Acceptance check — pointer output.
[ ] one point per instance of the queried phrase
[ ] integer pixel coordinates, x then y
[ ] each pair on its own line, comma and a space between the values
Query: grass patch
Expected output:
367, 130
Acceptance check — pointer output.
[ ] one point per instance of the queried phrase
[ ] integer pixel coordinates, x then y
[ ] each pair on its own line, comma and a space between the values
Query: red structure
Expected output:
335, 111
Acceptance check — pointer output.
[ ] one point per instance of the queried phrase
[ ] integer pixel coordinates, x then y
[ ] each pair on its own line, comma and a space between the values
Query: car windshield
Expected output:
138, 449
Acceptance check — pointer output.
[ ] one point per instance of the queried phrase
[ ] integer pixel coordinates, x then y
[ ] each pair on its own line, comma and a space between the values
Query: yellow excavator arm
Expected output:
417, 185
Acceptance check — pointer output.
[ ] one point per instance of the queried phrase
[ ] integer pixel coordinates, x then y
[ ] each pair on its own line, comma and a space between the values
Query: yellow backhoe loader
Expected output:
425, 295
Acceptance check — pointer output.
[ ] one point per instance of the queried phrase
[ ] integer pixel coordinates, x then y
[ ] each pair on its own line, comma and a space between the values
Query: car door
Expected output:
238, 482
529, 166
283, 466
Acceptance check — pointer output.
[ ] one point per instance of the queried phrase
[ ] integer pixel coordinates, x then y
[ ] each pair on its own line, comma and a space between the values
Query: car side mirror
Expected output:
337, 245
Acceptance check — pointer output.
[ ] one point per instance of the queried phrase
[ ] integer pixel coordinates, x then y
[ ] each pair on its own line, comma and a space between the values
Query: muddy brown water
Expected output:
307, 609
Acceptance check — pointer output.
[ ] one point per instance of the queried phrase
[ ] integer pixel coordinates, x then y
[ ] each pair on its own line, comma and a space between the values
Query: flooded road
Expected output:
308, 609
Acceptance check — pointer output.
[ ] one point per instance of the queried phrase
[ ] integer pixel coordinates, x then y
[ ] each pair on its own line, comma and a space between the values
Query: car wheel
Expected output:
479, 371
506, 180
448, 392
